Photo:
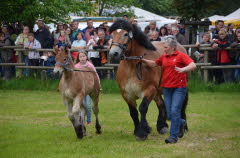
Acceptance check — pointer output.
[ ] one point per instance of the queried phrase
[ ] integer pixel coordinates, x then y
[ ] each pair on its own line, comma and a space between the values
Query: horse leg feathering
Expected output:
162, 126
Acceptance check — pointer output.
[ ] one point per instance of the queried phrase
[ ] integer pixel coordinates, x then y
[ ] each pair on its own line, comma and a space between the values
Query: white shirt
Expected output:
80, 43
34, 45
92, 54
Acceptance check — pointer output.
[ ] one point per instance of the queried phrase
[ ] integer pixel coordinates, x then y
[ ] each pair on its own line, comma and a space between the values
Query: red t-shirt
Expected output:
170, 77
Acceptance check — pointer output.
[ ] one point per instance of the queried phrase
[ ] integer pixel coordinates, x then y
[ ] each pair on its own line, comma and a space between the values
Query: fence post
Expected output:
205, 71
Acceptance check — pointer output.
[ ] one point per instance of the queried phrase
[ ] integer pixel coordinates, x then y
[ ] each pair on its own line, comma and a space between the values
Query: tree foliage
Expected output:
160, 7
190, 9
51, 11
117, 7
197, 9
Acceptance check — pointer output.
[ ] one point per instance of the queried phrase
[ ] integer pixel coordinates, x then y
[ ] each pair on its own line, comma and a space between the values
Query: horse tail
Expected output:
184, 107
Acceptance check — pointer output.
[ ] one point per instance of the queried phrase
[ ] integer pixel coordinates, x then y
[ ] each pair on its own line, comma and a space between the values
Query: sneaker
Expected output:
170, 140
182, 130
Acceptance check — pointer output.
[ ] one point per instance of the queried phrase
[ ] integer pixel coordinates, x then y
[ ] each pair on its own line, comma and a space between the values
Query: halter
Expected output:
124, 57
68, 69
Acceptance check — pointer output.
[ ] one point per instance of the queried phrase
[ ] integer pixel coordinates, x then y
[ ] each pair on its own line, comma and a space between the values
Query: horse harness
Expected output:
67, 62
124, 57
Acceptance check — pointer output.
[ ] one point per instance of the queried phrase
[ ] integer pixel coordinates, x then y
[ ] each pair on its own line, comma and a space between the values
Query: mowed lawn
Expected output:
34, 124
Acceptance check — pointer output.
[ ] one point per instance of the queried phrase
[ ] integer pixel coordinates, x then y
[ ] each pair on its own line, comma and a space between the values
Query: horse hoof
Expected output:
163, 130
149, 129
98, 131
79, 131
140, 138
183, 129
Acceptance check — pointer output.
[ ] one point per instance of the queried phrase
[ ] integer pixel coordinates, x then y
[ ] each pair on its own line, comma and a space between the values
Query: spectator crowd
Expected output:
71, 36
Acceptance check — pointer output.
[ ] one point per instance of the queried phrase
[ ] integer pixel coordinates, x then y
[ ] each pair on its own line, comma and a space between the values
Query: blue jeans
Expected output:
87, 104
173, 99
26, 61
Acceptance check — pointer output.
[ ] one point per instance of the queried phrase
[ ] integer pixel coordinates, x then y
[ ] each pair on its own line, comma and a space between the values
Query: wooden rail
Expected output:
204, 47
11, 64
198, 64
221, 67
109, 69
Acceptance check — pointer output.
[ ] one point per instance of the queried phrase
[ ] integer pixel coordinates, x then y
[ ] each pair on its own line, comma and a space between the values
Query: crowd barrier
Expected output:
111, 67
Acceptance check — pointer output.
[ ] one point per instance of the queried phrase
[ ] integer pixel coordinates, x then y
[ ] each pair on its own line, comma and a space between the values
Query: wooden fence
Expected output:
110, 67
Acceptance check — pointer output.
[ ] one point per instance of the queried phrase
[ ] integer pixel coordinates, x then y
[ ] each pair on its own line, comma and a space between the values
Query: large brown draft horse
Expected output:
74, 86
137, 80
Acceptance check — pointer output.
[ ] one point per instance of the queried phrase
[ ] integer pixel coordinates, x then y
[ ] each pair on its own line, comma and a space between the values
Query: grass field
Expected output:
34, 124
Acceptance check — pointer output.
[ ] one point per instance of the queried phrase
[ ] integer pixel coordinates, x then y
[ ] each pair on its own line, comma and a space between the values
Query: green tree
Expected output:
51, 11
197, 9
119, 7
160, 7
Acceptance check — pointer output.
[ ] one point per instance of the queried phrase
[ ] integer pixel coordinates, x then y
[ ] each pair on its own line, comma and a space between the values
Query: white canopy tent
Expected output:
234, 18
144, 17
233, 15
215, 17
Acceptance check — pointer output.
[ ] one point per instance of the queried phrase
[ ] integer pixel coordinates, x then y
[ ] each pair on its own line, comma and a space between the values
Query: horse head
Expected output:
122, 33
62, 59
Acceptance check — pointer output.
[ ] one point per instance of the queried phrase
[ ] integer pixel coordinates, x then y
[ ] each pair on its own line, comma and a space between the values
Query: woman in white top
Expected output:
78, 44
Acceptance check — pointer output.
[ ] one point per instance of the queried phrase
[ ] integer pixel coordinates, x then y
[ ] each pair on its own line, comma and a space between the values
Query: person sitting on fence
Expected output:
236, 44
21, 40
222, 57
33, 55
78, 44
5, 57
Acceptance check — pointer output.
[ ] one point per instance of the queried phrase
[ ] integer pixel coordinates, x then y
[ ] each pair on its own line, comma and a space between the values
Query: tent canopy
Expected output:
144, 17
231, 18
234, 15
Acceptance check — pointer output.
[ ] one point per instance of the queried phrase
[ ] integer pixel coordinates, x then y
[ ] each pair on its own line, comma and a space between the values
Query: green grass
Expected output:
35, 124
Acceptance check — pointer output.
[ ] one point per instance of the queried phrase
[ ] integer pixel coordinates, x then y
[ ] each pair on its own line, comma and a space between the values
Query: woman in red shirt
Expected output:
174, 64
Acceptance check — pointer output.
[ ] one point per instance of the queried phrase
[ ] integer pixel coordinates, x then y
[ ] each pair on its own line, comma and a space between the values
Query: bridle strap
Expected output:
64, 65
124, 57
122, 46
139, 69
